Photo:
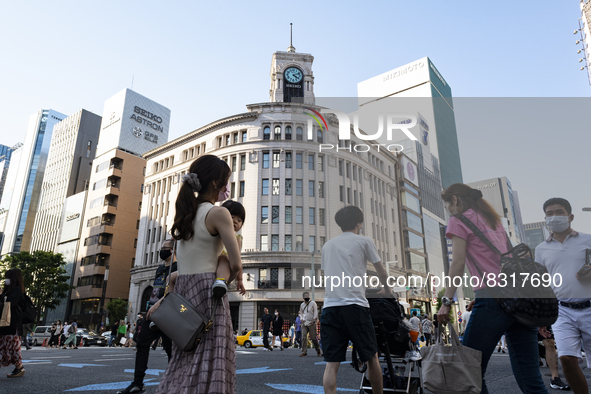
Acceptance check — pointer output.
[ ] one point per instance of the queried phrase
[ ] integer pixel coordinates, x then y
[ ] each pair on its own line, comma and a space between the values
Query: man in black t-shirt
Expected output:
146, 335
114, 329
266, 320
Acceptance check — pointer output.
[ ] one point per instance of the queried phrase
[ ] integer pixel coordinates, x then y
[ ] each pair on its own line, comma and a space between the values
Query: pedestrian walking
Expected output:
266, 321
55, 342
427, 327
567, 253
488, 321
27, 332
72, 330
13, 292
128, 335
415, 322
278, 329
298, 331
502, 345
549, 353
345, 314
121, 332
465, 319
309, 313
52, 335
202, 230
64, 334
113, 338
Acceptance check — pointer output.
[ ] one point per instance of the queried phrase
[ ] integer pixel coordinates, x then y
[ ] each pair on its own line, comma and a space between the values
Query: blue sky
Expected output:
206, 60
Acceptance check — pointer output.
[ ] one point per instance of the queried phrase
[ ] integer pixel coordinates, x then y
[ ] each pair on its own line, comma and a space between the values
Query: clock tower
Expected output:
292, 80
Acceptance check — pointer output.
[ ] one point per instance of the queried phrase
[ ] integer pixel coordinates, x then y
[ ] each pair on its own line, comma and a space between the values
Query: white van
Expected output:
41, 332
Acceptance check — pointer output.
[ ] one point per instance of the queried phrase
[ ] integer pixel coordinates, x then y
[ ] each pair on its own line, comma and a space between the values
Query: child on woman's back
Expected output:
223, 272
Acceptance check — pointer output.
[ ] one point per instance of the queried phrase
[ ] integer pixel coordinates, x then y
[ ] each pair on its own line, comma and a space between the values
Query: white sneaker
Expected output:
415, 355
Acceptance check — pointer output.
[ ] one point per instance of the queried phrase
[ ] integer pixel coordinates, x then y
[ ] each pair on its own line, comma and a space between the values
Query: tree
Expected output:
117, 309
44, 277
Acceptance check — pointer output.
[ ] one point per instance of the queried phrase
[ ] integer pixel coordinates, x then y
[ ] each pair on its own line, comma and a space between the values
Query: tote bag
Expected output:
454, 369
5, 319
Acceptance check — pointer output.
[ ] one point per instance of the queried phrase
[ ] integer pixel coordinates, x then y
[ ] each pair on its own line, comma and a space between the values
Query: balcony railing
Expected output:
268, 284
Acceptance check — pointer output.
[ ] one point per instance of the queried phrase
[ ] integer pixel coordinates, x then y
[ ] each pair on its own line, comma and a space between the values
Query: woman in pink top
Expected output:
488, 321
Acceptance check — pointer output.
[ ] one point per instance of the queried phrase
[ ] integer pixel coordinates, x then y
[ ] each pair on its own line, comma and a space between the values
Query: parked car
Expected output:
40, 334
254, 338
89, 338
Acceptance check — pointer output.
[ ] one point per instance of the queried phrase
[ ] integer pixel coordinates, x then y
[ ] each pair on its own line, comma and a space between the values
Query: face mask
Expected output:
307, 299
7, 282
165, 253
276, 314
225, 195
557, 224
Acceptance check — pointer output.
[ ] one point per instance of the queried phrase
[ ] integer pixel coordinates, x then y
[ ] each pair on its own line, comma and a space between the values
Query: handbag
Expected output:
452, 369
530, 305
179, 320
5, 319
123, 341
29, 311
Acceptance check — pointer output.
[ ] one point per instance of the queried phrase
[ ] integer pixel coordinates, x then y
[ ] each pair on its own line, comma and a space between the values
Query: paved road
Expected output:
105, 370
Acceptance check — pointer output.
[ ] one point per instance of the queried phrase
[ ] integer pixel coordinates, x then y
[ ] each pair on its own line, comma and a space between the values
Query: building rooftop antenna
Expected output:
290, 48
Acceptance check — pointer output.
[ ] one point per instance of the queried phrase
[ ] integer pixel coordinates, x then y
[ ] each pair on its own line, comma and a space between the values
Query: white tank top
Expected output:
200, 253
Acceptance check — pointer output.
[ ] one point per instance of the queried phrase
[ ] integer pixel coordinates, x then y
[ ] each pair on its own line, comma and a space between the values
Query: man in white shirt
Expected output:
564, 255
345, 314
309, 313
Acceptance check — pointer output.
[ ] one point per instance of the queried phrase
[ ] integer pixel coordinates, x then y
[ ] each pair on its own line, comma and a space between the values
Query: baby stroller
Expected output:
400, 373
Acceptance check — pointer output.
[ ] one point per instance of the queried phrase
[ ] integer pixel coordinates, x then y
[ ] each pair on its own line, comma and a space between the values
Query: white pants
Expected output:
572, 331
503, 343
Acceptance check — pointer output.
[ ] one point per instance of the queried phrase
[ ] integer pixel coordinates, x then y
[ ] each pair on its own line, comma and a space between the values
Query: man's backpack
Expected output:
72, 329
29, 311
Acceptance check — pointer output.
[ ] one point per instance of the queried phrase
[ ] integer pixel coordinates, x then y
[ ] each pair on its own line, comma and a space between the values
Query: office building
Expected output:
419, 87
5, 153
290, 189
67, 172
25, 179
535, 234
131, 125
499, 193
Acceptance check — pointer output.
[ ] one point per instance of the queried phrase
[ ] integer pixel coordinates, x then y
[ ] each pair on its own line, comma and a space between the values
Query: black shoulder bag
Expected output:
530, 304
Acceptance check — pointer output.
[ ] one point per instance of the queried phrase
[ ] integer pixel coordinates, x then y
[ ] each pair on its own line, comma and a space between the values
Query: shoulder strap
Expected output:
170, 266
480, 235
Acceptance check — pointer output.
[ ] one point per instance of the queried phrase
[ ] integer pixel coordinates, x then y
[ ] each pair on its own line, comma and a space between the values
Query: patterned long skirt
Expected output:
211, 367
10, 350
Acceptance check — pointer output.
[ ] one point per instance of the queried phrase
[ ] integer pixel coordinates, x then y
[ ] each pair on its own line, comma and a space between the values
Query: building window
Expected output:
299, 134
233, 163
298, 161
235, 138
267, 133
321, 189
311, 243
268, 278
288, 187
264, 243
340, 168
288, 243
277, 135
299, 187
264, 215
371, 204
348, 195
275, 189
320, 163
227, 140
242, 162
310, 162
287, 159
355, 197
311, 215
354, 172
219, 142
241, 189
322, 241
321, 216
361, 200
274, 243
265, 159
288, 133
319, 137
88, 149
299, 243
342, 193
275, 214
299, 214
265, 187
276, 159
233, 190
287, 215
348, 170
244, 136
310, 188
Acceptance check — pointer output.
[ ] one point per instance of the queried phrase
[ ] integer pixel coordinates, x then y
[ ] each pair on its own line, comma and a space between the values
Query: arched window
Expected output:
267, 133
277, 135
288, 132
299, 134
319, 136
145, 298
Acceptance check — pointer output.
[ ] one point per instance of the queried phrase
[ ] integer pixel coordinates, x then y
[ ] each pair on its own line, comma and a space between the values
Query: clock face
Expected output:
293, 75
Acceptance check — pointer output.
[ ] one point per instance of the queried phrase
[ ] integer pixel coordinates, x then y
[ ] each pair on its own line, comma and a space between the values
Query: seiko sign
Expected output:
144, 117
72, 217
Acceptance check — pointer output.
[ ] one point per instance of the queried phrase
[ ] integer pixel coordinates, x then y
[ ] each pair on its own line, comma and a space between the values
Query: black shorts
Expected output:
541, 338
341, 324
